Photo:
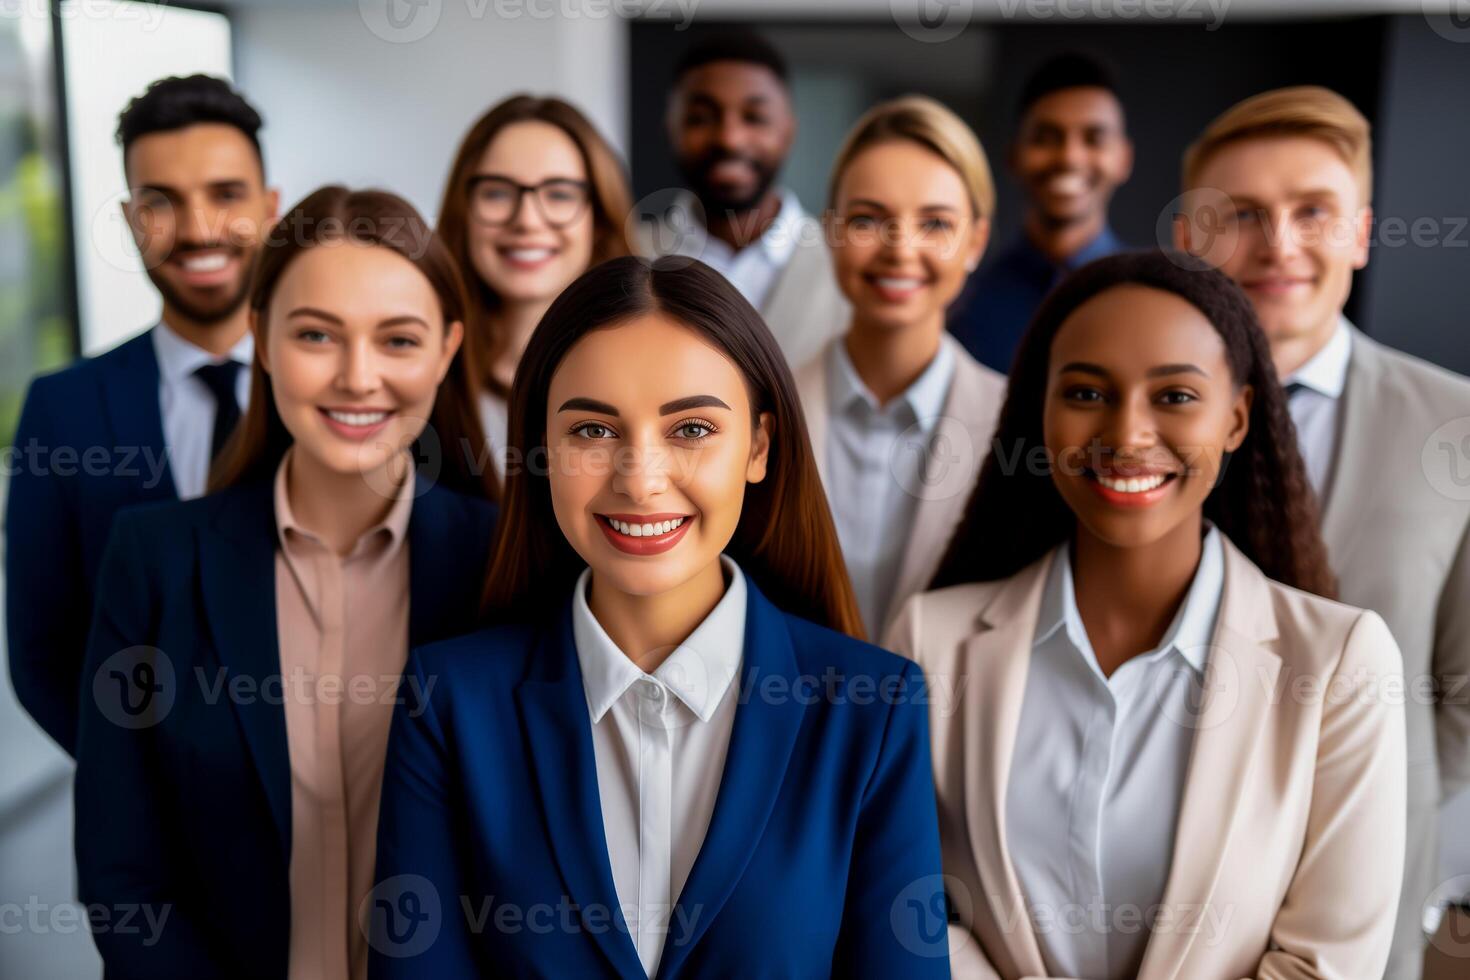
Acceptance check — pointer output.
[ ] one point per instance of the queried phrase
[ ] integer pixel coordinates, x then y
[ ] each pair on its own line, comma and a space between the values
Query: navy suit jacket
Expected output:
183, 787
89, 442
822, 855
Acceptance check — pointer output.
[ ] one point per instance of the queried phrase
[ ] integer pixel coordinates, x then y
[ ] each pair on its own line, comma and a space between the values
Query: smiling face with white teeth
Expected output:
905, 234
356, 346
198, 208
649, 462
1286, 219
527, 260
1071, 154
1140, 408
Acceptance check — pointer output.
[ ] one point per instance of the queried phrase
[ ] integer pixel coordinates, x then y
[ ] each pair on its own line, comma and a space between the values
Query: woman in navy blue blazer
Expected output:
248, 646
670, 757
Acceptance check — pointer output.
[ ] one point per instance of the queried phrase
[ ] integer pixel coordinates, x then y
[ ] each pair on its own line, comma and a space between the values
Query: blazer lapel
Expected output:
811, 384
237, 572
956, 450
804, 308
131, 394
996, 662
553, 705
1239, 678
764, 732
1353, 449
435, 573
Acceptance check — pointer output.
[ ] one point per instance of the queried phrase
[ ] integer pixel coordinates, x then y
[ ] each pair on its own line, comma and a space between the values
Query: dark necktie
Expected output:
220, 380
1293, 389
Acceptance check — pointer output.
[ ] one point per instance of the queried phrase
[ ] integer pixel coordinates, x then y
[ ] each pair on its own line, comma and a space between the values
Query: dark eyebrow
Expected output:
693, 401
1086, 367
403, 320
1166, 369
588, 405
313, 311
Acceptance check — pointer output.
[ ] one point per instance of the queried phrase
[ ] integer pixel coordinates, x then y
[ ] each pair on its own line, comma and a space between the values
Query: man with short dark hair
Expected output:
1071, 152
731, 126
142, 421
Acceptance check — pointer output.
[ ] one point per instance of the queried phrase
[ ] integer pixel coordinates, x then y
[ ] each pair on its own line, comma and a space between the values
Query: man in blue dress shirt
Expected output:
1071, 153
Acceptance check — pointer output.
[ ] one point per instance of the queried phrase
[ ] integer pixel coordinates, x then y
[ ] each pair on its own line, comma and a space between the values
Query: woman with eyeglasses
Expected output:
535, 197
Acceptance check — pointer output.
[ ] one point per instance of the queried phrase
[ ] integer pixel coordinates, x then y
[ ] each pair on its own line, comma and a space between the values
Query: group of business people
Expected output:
498, 602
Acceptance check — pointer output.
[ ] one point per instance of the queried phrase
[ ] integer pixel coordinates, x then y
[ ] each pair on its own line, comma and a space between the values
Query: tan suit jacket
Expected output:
957, 448
1396, 519
1289, 848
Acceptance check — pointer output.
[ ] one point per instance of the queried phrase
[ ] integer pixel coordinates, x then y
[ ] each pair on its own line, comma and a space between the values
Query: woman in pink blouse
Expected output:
248, 646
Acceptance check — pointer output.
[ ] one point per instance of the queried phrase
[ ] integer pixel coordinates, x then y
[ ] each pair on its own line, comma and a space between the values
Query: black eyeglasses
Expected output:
497, 200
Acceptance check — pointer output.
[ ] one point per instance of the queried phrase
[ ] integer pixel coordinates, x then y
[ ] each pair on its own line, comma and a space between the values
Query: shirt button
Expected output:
649, 689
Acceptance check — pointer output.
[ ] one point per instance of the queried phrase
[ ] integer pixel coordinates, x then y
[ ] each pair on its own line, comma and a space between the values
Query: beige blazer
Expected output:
804, 308
1289, 847
1396, 518
957, 448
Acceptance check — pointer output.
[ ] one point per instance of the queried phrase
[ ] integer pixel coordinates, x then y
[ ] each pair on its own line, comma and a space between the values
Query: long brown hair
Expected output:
785, 540
371, 217
1262, 501
611, 202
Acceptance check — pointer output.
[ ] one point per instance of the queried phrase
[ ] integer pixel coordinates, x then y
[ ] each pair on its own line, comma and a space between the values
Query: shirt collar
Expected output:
1325, 372
1024, 254
698, 672
925, 397
775, 245
1106, 243
178, 358
394, 524
1189, 634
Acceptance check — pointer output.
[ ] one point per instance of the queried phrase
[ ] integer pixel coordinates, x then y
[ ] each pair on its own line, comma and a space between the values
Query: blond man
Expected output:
1278, 195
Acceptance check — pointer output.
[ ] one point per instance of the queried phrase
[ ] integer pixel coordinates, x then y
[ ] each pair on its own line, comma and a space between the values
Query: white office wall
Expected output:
111, 52
350, 97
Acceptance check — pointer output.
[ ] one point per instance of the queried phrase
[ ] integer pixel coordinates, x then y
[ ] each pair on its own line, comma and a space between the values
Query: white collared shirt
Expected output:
188, 407
752, 270
874, 455
1098, 773
1314, 408
660, 742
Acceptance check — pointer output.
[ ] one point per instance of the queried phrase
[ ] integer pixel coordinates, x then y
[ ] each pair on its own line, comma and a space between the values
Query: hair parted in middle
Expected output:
785, 539
1263, 501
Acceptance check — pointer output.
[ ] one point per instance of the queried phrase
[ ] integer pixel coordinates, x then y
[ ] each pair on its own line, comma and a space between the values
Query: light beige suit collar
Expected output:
957, 447
1239, 678
1345, 492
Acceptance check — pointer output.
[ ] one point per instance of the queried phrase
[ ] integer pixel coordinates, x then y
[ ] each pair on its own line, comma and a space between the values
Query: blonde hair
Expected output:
1303, 110
922, 120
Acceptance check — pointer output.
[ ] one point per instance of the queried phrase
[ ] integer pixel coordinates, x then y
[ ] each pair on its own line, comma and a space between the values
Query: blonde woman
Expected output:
899, 414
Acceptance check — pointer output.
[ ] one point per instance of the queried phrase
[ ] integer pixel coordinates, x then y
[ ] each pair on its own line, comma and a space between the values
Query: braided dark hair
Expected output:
1262, 501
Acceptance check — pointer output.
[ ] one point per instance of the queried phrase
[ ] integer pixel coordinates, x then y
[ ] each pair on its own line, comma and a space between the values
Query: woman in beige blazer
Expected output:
899, 415
1161, 750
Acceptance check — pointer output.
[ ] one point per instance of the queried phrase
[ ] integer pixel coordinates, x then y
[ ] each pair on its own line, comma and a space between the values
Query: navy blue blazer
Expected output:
89, 442
823, 845
183, 786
